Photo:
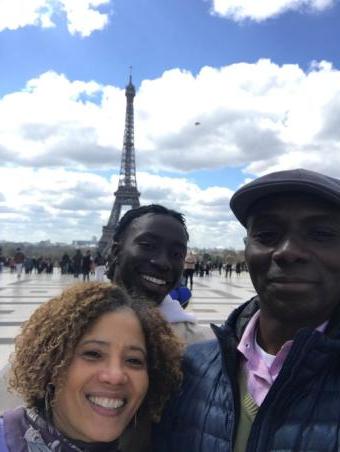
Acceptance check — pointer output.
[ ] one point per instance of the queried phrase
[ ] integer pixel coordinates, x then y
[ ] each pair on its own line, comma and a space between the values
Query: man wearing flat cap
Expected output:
271, 379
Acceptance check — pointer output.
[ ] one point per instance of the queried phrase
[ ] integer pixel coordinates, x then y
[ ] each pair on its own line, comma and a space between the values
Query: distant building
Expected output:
85, 243
44, 243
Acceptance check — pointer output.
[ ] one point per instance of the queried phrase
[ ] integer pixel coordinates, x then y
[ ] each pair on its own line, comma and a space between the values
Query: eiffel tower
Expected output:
127, 193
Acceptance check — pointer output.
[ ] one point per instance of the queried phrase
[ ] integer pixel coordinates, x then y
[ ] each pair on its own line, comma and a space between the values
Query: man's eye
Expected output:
322, 235
147, 245
179, 254
265, 237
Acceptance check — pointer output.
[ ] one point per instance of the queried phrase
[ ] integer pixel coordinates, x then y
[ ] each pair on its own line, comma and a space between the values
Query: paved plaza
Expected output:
214, 297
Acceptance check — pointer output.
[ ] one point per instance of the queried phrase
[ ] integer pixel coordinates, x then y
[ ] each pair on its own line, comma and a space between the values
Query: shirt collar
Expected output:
247, 344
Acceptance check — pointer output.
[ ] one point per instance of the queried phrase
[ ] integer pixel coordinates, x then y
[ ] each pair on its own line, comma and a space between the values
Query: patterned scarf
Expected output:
28, 431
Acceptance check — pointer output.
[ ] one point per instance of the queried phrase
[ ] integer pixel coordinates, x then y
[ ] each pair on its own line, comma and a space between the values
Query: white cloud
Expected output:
57, 122
37, 205
83, 16
255, 115
68, 205
260, 10
259, 117
15, 14
206, 210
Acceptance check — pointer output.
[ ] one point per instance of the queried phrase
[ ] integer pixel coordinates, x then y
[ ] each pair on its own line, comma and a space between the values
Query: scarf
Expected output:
173, 312
27, 430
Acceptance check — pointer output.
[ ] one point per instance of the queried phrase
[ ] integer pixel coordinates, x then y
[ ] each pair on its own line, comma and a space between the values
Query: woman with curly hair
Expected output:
90, 364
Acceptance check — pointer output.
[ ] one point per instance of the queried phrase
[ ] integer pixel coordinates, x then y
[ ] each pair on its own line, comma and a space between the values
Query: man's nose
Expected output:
290, 250
112, 373
161, 260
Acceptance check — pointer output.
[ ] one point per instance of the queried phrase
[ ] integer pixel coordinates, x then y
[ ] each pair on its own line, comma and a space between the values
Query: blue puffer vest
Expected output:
300, 413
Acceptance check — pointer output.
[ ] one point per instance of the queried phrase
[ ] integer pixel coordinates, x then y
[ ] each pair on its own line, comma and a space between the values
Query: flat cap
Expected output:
296, 180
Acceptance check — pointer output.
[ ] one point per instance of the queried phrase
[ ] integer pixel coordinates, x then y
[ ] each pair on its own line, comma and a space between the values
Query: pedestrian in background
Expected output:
76, 263
86, 266
1, 260
100, 267
189, 268
19, 259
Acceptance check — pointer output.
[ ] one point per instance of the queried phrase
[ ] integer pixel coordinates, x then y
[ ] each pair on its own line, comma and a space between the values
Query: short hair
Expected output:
155, 209
45, 347
131, 215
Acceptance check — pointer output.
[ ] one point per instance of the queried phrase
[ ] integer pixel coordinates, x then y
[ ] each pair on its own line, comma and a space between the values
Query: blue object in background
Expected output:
182, 294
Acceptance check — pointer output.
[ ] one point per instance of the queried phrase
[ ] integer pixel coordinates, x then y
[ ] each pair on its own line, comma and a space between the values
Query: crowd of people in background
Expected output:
205, 268
87, 265
92, 265
19, 263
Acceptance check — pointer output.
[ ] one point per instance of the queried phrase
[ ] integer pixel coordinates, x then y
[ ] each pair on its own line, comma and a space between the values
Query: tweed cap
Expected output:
296, 180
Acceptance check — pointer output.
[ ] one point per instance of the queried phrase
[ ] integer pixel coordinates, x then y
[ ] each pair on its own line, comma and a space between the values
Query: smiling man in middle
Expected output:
148, 253
147, 259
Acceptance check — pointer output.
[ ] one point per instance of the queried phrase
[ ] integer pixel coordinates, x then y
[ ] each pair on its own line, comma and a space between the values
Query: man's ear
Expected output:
111, 272
114, 250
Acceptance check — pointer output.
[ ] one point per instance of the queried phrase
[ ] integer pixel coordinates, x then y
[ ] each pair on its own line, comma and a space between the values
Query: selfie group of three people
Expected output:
123, 367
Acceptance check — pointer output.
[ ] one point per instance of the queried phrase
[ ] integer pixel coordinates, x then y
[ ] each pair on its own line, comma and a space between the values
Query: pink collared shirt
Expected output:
260, 367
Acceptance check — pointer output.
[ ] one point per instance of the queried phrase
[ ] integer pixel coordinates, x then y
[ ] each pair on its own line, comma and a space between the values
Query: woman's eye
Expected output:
136, 362
91, 354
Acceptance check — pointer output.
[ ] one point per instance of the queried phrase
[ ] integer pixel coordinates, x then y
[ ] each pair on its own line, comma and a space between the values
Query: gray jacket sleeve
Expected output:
8, 400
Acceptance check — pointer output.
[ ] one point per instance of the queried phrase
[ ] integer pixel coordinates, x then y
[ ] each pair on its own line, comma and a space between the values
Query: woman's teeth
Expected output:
105, 402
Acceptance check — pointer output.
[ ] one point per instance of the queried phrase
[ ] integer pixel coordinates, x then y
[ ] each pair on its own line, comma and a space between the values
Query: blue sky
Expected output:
154, 36
262, 78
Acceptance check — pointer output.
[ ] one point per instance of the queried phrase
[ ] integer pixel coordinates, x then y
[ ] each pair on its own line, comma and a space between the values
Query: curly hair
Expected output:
45, 347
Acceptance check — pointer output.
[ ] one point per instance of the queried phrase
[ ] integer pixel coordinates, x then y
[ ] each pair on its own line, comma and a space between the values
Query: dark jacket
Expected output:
300, 413
86, 263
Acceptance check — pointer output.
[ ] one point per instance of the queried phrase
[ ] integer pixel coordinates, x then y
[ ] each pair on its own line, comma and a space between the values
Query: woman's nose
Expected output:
113, 374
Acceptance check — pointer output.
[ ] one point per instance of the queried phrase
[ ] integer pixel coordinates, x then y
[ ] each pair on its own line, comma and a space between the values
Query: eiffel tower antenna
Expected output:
127, 193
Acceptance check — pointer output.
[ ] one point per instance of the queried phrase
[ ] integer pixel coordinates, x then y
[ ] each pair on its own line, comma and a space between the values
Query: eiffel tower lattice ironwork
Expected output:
127, 193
